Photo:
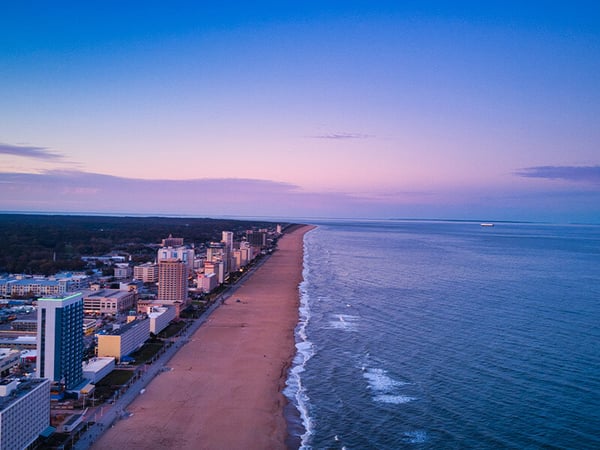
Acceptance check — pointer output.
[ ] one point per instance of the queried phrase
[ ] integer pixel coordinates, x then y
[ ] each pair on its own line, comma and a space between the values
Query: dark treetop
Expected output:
45, 244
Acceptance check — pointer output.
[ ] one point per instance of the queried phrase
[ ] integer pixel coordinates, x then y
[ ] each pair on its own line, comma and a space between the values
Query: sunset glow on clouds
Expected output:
341, 110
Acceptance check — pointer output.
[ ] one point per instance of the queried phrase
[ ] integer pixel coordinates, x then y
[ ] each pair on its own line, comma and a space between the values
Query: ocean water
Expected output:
448, 335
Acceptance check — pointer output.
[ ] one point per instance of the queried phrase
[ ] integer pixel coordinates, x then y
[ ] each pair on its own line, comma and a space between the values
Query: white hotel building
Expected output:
24, 412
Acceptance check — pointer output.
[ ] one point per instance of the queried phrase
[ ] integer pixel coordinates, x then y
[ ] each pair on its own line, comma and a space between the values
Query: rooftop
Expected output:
23, 388
60, 298
5, 352
74, 418
97, 363
124, 328
23, 339
106, 293
30, 281
157, 311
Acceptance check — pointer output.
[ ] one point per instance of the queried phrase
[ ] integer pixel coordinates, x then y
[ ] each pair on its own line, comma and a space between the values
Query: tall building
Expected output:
215, 251
24, 412
228, 240
60, 339
247, 252
172, 242
183, 254
257, 238
216, 267
172, 281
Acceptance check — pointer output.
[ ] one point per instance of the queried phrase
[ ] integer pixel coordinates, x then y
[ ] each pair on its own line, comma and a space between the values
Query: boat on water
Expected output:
487, 224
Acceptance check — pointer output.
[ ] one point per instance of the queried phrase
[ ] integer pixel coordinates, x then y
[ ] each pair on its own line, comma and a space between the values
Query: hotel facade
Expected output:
60, 339
24, 412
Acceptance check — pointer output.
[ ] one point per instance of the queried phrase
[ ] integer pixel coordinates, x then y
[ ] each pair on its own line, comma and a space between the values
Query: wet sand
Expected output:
224, 391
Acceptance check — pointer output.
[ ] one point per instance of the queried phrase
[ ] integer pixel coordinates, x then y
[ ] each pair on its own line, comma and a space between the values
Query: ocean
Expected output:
417, 334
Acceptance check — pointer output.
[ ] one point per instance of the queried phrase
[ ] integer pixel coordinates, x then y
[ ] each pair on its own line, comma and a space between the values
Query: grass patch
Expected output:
116, 378
146, 352
172, 329
106, 387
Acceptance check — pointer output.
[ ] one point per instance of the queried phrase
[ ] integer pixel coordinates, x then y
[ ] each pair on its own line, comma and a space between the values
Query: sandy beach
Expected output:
224, 391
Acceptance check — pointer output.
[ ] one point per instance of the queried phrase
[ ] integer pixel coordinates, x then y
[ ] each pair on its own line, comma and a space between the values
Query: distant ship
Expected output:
487, 224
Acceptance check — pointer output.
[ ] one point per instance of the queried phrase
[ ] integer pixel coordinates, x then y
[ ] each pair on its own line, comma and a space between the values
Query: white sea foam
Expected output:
393, 399
380, 381
385, 388
344, 322
415, 437
295, 390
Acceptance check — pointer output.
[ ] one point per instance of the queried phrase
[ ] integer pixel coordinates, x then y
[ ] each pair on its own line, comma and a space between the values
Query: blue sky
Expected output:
483, 110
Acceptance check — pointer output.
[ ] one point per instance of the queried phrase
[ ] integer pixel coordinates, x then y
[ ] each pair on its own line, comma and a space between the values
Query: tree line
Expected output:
46, 244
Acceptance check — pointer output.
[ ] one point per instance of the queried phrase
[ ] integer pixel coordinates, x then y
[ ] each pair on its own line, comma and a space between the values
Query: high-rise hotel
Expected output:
172, 281
60, 339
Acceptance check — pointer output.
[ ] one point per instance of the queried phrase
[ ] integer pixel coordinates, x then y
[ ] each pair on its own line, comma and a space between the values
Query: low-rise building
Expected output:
72, 281
108, 301
207, 282
39, 286
144, 305
160, 318
97, 368
124, 339
89, 326
34, 287
9, 358
122, 270
24, 325
6, 286
72, 423
24, 412
23, 342
148, 272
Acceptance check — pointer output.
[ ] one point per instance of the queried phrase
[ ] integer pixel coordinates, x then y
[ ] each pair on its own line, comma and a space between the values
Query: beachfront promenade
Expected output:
106, 415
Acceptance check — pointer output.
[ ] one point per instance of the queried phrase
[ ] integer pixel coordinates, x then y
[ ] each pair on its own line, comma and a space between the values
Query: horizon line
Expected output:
288, 219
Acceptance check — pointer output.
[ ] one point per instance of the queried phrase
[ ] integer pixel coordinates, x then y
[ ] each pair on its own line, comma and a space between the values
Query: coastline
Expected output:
225, 386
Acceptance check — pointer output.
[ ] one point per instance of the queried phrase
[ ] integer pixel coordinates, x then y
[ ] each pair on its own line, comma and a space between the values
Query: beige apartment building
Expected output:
108, 301
124, 340
148, 272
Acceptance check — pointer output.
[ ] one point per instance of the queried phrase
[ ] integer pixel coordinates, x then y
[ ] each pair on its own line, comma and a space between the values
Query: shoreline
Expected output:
225, 389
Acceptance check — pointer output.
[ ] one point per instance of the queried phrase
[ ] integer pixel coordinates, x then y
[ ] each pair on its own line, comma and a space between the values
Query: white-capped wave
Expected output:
380, 381
294, 389
385, 389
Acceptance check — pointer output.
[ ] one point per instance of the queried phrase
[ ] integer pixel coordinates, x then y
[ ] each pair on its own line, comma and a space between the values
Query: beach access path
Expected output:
224, 387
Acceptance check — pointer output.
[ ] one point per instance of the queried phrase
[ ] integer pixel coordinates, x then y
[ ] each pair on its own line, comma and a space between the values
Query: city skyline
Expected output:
341, 109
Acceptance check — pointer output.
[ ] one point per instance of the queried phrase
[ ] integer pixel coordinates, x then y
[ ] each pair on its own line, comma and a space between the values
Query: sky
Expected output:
355, 109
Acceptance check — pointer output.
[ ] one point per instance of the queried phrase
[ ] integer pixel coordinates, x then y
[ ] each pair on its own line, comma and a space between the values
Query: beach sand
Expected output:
224, 391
